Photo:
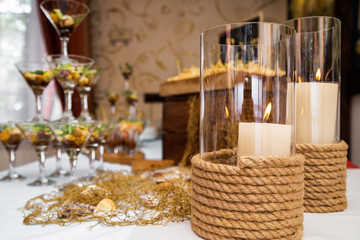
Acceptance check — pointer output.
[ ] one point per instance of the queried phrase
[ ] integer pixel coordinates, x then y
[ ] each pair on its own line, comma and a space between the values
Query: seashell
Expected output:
93, 190
151, 201
105, 207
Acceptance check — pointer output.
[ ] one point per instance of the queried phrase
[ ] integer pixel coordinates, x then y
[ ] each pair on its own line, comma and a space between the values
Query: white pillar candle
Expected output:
316, 105
264, 139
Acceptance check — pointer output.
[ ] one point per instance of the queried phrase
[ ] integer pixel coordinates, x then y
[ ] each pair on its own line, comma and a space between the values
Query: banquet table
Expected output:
13, 196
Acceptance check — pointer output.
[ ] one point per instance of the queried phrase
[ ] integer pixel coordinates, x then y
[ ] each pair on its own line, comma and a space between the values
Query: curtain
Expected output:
78, 44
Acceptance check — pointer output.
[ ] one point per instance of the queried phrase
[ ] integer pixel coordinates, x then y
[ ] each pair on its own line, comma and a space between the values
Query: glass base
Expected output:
60, 173
13, 177
42, 182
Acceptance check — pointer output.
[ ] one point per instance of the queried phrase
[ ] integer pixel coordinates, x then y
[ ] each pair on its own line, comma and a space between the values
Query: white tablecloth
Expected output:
13, 195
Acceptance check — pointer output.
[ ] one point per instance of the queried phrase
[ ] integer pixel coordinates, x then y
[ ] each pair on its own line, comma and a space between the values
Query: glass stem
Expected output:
85, 105
92, 160
64, 46
38, 98
113, 112
11, 153
41, 155
101, 156
132, 112
58, 157
68, 105
73, 162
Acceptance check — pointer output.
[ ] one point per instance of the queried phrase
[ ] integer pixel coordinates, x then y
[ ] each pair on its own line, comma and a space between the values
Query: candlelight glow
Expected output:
299, 79
227, 112
267, 112
318, 75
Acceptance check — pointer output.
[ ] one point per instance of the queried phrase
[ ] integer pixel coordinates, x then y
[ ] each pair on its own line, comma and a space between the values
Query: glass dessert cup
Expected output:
96, 140
112, 99
115, 139
104, 129
131, 99
131, 130
59, 170
72, 136
65, 16
84, 87
126, 71
40, 136
38, 77
11, 137
68, 71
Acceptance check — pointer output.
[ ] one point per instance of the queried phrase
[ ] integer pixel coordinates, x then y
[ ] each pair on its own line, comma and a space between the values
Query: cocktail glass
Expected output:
68, 71
40, 136
84, 87
131, 130
65, 16
131, 99
115, 139
72, 136
126, 71
11, 137
37, 76
104, 129
112, 99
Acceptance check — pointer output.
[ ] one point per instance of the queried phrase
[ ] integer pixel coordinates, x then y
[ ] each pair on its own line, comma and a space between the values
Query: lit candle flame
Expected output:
267, 112
227, 112
318, 75
299, 79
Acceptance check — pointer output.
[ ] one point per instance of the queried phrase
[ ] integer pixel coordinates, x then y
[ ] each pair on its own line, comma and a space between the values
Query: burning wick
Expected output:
267, 112
318, 75
227, 112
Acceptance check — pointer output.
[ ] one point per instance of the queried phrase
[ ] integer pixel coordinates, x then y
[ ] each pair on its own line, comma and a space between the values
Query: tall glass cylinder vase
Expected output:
318, 72
247, 89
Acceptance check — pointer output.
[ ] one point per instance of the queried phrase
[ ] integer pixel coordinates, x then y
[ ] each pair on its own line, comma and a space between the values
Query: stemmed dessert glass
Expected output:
72, 136
84, 87
65, 16
37, 76
131, 130
126, 71
68, 71
11, 137
96, 139
131, 99
112, 99
105, 129
40, 136
59, 170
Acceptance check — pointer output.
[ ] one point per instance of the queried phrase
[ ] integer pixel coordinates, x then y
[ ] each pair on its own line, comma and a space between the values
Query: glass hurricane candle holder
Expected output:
247, 89
39, 136
68, 71
11, 137
65, 16
318, 71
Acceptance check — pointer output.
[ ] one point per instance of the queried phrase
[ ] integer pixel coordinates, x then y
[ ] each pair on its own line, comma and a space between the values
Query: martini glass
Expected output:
131, 130
37, 76
114, 139
104, 129
97, 139
40, 136
11, 137
72, 136
112, 99
68, 71
84, 87
65, 16
126, 71
131, 99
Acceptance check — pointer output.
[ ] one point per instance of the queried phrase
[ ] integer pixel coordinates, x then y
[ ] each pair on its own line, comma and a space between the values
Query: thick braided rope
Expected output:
325, 176
261, 198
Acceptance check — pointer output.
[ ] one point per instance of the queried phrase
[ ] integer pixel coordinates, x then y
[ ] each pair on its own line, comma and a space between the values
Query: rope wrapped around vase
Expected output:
247, 198
325, 176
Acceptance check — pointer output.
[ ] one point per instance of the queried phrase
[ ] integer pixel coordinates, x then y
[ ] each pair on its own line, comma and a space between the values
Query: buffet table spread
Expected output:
13, 196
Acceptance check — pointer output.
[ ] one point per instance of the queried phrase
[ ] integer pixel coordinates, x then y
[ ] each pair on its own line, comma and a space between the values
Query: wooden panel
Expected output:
186, 86
176, 114
174, 146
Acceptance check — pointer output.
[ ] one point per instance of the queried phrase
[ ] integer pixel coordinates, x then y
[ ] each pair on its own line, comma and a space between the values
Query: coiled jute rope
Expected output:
325, 176
247, 197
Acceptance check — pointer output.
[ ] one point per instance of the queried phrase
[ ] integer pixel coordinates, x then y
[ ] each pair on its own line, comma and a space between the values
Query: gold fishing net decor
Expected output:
116, 199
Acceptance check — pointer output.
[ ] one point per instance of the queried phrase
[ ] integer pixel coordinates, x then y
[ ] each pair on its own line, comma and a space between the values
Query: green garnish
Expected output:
58, 12
38, 72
